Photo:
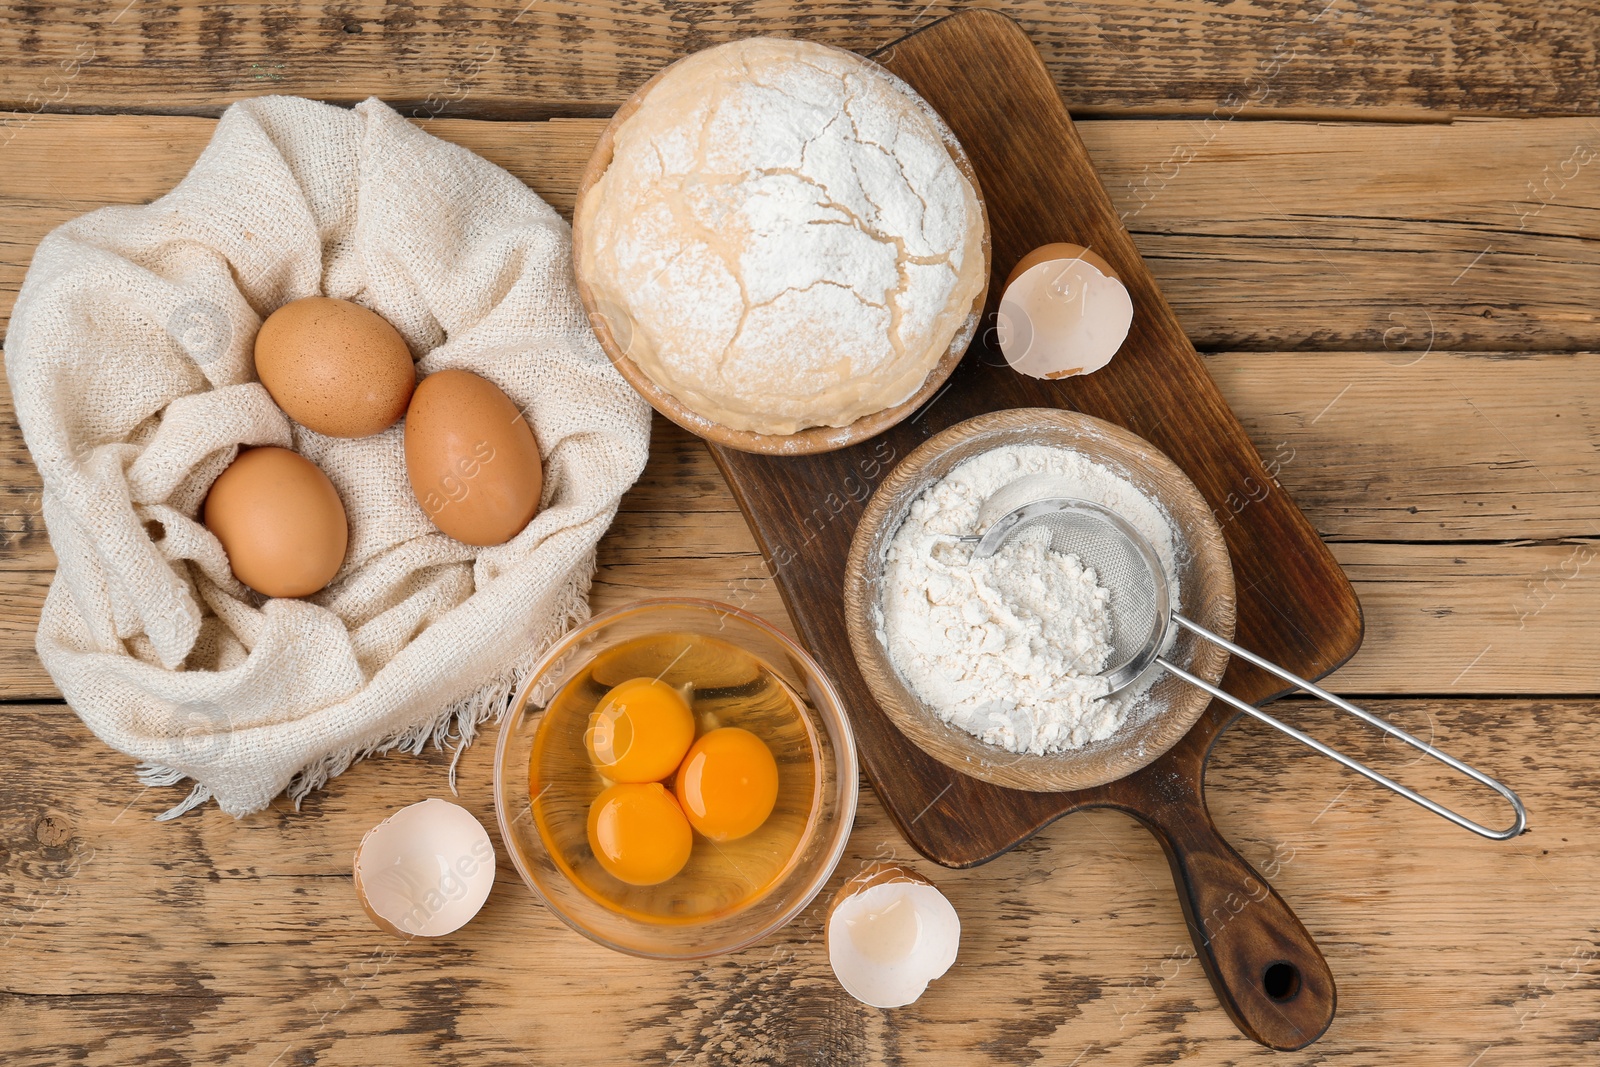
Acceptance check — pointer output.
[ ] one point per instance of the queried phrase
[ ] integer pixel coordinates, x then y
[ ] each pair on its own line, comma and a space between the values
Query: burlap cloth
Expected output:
129, 355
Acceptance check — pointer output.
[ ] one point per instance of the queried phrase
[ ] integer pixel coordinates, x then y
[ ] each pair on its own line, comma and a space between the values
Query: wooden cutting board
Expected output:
1295, 606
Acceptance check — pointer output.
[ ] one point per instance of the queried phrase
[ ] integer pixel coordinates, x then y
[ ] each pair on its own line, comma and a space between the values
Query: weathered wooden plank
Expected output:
1430, 607
1455, 446
1448, 446
1440, 618
1405, 240
58, 167
208, 939
1468, 618
532, 58
22, 676
1263, 235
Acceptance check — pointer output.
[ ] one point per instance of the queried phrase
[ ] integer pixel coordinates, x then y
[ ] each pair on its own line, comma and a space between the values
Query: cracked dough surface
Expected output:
782, 239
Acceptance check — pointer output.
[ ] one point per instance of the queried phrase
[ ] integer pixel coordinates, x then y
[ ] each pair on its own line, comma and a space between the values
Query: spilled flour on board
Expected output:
1009, 648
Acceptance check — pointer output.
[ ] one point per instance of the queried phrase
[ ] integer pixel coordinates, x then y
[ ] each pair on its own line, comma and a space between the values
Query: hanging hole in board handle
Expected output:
1281, 981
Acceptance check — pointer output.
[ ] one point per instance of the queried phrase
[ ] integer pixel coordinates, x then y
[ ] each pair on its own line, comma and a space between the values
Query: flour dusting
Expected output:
1009, 648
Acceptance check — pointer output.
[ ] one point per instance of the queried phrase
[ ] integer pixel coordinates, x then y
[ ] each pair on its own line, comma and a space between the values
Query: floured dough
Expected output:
782, 239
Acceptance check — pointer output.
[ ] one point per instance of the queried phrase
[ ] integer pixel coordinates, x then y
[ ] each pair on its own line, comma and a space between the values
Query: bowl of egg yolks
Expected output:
676, 779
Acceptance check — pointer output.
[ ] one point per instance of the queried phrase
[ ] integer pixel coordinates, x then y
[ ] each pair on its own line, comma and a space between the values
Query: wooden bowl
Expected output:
1205, 594
609, 322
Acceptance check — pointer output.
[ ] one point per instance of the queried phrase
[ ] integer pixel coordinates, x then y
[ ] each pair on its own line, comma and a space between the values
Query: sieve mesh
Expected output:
1122, 570
1123, 561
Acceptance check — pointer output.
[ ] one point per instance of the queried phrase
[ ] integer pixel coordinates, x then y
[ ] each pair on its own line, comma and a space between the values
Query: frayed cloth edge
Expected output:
456, 724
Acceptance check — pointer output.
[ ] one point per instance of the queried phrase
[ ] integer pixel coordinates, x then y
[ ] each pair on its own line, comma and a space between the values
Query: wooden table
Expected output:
1378, 221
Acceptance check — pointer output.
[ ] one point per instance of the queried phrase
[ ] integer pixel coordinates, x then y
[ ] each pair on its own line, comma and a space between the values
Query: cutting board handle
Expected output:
1263, 964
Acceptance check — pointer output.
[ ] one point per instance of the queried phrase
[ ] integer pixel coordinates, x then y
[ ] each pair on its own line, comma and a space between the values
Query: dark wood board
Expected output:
980, 71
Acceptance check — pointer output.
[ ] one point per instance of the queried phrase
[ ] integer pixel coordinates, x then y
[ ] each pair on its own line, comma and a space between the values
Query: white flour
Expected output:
1008, 648
787, 234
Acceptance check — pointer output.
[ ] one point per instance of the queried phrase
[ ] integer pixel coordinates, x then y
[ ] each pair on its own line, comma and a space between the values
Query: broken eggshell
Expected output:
425, 870
890, 933
1064, 312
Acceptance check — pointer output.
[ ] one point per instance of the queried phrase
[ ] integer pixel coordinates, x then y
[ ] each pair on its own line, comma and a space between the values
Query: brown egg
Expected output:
280, 521
471, 458
334, 366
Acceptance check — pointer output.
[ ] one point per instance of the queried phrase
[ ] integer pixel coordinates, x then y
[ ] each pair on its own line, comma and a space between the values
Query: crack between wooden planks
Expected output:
1441, 698
533, 111
162, 994
488, 113
1524, 542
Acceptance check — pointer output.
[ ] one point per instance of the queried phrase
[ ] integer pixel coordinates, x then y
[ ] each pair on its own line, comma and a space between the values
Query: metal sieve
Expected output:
1142, 617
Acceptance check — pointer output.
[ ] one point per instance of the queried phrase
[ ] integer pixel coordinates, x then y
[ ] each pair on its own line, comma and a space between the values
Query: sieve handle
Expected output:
1519, 823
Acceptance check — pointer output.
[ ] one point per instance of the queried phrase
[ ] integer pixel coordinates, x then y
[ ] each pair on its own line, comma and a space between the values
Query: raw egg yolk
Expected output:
639, 731
638, 833
728, 783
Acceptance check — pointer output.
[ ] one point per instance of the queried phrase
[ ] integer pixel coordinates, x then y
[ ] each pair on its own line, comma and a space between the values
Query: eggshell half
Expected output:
890, 933
425, 870
1064, 312
471, 458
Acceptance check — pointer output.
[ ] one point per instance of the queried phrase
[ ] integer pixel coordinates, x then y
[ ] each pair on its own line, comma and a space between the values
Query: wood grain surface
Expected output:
529, 58
211, 941
1508, 616
1400, 307
1480, 235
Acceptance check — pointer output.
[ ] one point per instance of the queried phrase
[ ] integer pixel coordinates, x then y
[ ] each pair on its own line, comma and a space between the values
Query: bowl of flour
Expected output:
993, 665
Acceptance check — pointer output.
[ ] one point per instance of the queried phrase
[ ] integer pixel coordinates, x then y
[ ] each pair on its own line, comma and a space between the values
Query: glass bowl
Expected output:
821, 843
